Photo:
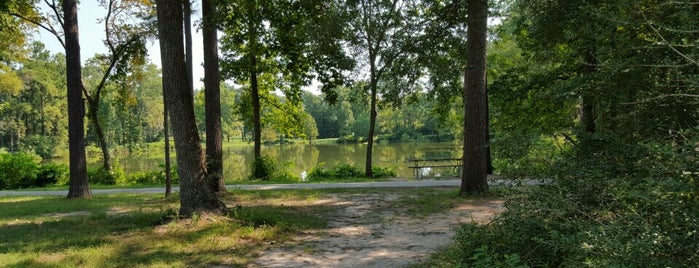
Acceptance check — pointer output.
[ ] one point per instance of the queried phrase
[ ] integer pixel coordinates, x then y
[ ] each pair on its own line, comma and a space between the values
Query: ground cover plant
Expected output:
347, 172
612, 204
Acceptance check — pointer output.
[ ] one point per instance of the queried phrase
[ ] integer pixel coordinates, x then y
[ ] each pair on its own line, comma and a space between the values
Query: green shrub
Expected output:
383, 172
150, 177
18, 170
349, 139
613, 204
101, 176
263, 168
266, 168
346, 171
526, 156
342, 171
52, 174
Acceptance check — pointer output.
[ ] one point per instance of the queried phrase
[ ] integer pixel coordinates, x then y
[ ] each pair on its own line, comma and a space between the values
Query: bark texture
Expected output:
79, 187
474, 175
196, 195
106, 155
212, 78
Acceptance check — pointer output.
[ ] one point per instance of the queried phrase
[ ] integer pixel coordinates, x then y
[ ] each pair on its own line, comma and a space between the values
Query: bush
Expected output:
349, 139
613, 204
382, 172
346, 171
18, 170
151, 177
266, 168
263, 168
101, 176
52, 174
526, 156
342, 171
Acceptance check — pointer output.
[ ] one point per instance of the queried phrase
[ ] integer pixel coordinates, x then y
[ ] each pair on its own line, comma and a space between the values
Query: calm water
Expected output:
298, 158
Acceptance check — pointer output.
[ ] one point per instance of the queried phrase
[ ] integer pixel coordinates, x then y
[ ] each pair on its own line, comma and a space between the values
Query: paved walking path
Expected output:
381, 184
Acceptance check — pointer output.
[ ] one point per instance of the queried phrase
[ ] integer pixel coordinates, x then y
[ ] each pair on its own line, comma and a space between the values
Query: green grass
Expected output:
141, 230
132, 230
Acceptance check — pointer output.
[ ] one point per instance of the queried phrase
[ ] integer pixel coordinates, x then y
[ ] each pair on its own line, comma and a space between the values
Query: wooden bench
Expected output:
419, 164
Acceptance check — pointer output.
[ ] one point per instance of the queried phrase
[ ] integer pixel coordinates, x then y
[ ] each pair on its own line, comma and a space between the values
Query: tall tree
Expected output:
196, 195
39, 108
66, 16
212, 85
383, 31
289, 40
474, 175
124, 42
615, 60
79, 187
123, 39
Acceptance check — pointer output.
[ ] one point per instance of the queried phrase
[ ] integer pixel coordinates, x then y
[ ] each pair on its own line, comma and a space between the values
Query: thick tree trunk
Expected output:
212, 77
474, 175
254, 90
255, 95
196, 195
187, 7
79, 187
94, 118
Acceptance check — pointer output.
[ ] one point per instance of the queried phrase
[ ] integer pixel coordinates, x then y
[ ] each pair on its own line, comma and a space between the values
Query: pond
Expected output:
298, 158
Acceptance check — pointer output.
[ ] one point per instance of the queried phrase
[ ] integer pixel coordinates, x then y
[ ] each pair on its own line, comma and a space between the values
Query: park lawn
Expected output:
141, 230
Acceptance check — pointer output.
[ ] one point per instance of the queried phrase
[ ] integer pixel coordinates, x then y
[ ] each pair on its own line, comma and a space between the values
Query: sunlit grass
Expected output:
141, 230
132, 230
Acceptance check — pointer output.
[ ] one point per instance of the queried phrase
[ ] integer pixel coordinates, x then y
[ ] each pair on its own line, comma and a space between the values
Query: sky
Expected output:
92, 36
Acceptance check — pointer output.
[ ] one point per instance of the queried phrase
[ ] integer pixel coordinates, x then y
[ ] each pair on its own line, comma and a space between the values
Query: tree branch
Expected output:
663, 96
49, 28
54, 8
666, 42
107, 32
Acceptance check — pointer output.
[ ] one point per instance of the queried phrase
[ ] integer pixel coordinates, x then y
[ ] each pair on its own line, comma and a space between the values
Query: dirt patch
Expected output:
374, 230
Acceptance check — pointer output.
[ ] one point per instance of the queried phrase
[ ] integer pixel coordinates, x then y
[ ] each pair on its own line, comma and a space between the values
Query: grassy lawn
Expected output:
128, 230
141, 230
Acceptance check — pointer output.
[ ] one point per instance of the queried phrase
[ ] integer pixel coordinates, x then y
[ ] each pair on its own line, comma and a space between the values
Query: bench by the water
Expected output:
420, 165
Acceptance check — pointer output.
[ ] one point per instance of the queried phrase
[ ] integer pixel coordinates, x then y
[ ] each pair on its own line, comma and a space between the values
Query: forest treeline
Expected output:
34, 118
601, 97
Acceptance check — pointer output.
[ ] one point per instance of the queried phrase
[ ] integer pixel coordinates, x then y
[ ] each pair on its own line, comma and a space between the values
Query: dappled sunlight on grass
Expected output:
142, 230
137, 230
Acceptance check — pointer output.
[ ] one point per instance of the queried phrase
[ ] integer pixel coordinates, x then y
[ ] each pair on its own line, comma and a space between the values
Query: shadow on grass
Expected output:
56, 232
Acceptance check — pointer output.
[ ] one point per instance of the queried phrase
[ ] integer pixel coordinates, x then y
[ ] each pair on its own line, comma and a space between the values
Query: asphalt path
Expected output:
346, 185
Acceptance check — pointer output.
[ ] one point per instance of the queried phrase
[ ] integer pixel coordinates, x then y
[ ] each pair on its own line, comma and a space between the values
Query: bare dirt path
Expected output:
375, 230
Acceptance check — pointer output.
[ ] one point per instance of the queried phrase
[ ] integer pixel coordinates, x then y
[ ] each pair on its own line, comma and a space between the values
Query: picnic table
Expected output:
419, 164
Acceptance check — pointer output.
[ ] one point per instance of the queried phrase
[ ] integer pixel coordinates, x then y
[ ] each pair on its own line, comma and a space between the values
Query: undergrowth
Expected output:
612, 204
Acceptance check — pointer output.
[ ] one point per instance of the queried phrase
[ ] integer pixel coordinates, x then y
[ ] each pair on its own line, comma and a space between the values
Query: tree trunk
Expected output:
489, 159
255, 95
212, 77
587, 112
196, 195
372, 125
187, 7
94, 118
166, 135
474, 175
254, 90
79, 187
